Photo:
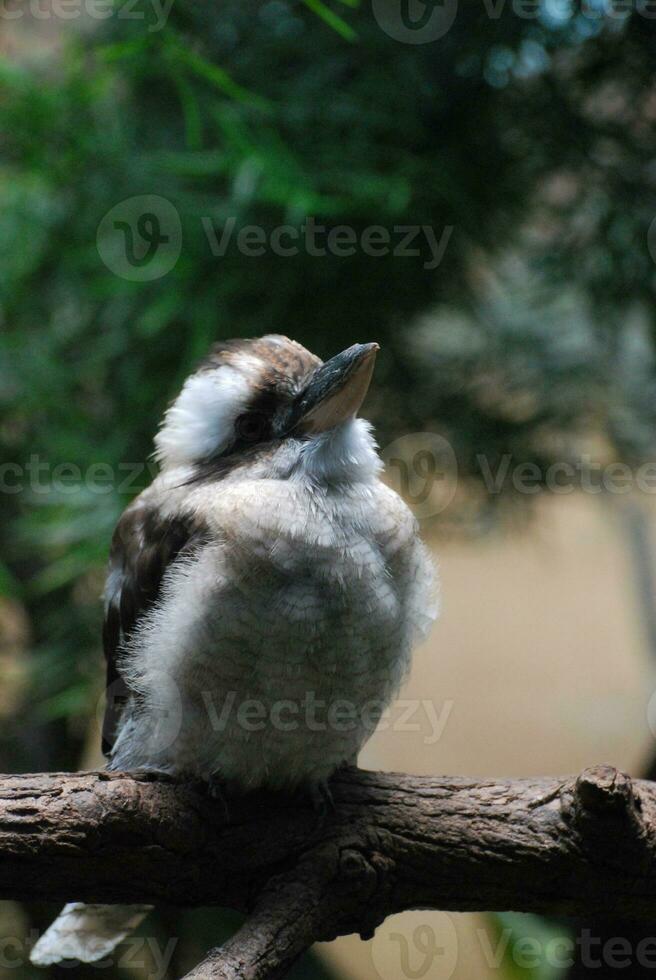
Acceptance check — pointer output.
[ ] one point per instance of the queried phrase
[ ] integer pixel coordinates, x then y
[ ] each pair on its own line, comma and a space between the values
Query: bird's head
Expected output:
271, 405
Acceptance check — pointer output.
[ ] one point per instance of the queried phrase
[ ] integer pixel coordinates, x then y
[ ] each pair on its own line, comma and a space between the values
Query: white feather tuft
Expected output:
86, 932
201, 421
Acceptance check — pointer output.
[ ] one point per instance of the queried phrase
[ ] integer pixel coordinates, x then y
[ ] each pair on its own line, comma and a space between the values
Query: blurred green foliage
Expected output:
529, 947
531, 137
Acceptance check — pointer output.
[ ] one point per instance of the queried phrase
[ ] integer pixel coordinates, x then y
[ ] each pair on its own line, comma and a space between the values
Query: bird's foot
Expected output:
154, 775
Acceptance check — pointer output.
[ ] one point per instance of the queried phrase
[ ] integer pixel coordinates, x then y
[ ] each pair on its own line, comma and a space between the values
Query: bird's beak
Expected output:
336, 390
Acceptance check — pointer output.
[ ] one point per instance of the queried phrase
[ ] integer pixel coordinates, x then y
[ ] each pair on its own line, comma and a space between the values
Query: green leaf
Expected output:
125, 49
332, 19
216, 76
526, 942
191, 111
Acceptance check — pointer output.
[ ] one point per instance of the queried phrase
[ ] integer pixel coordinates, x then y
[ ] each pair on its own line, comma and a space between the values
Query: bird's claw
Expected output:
153, 775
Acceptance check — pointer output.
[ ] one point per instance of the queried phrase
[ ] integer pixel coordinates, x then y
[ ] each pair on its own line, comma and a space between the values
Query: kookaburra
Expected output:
264, 593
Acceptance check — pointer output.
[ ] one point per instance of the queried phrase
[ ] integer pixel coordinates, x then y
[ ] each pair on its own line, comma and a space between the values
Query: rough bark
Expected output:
562, 846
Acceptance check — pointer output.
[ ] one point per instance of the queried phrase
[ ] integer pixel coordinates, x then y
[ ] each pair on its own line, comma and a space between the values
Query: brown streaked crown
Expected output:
285, 363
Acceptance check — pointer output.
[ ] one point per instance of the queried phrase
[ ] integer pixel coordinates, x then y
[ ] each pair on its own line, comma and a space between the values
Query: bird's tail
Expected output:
86, 932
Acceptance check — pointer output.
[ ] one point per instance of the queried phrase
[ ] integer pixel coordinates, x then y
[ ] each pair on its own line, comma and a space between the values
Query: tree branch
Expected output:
561, 846
283, 924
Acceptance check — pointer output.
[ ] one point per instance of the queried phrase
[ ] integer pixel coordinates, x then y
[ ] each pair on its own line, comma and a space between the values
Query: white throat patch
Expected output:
345, 454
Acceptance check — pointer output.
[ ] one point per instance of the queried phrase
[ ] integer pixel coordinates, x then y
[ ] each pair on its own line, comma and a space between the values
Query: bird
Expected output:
263, 596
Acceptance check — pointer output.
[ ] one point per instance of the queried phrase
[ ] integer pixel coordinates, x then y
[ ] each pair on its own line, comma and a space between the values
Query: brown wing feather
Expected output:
144, 545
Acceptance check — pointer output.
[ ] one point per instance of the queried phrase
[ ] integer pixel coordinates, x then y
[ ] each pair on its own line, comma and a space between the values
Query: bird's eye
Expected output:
251, 426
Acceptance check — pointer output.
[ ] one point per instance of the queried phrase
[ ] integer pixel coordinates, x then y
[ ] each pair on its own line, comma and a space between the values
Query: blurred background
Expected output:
473, 185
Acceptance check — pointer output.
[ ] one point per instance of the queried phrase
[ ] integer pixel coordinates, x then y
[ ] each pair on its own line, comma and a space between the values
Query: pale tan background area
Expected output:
541, 653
